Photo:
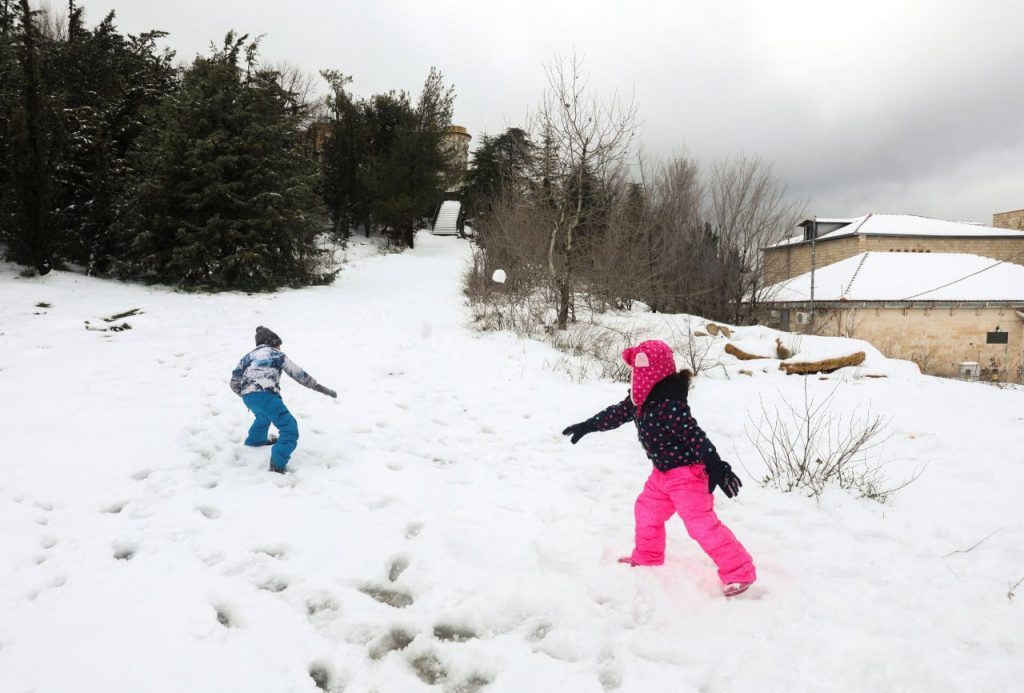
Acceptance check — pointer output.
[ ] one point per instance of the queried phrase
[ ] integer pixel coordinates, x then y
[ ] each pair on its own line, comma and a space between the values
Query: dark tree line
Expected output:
384, 164
116, 161
120, 163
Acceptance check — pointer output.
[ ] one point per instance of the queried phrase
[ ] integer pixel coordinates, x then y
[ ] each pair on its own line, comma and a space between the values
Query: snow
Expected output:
906, 225
877, 276
437, 532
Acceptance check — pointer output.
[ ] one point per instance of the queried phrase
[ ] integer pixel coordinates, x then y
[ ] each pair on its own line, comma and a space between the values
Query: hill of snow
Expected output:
437, 531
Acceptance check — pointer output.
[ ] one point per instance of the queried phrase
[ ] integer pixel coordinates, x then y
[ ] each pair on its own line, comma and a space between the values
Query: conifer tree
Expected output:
109, 83
410, 171
501, 164
226, 191
32, 142
344, 158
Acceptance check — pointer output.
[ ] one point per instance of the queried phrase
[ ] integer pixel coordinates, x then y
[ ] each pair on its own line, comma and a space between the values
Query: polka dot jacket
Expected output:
666, 429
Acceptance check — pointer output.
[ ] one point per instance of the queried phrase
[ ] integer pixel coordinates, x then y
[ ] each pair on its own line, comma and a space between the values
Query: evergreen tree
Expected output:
500, 165
8, 79
345, 157
110, 84
32, 142
409, 167
226, 191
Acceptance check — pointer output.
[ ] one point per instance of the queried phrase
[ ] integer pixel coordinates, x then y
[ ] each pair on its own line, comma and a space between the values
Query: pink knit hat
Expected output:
651, 361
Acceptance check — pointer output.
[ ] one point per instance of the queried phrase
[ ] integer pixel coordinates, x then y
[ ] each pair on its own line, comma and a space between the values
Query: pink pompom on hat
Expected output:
651, 361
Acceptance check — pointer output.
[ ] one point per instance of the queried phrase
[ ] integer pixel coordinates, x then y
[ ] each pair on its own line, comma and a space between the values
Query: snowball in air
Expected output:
499, 276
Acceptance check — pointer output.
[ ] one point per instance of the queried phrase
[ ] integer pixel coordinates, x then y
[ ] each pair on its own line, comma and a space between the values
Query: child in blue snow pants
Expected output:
269, 408
257, 380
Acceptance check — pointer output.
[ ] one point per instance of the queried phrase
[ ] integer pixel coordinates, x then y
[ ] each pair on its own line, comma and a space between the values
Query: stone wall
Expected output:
794, 260
791, 261
937, 339
1009, 220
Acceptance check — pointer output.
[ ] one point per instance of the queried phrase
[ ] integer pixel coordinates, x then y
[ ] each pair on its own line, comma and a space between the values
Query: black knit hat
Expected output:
266, 336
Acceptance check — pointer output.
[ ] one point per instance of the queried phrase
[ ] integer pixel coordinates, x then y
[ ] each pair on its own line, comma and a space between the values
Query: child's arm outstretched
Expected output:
605, 420
303, 378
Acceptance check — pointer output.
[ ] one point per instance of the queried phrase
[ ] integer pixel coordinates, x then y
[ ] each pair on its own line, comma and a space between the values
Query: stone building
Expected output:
838, 239
940, 293
948, 312
1009, 220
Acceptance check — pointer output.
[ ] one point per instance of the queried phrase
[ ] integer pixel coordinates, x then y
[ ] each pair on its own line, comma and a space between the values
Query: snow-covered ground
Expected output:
437, 531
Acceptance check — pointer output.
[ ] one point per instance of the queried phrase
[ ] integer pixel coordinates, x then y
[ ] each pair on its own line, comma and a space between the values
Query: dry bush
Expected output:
806, 447
512, 240
696, 352
592, 349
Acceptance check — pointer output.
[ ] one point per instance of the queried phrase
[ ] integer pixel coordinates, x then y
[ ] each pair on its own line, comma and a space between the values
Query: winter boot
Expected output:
732, 589
269, 441
278, 470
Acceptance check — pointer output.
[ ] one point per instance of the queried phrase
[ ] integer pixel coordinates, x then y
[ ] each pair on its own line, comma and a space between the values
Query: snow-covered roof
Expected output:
884, 276
904, 225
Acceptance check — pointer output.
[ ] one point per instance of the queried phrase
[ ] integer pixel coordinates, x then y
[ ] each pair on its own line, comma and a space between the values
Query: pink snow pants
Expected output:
684, 490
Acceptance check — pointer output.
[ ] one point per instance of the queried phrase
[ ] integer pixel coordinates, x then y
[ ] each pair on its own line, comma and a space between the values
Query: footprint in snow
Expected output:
398, 565
209, 512
277, 551
142, 474
429, 669
413, 529
385, 595
452, 633
321, 604
226, 615
395, 640
275, 584
322, 677
125, 549
609, 671
48, 541
114, 508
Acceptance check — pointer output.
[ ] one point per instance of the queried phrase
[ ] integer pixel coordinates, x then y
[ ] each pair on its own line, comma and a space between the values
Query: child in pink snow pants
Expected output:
687, 467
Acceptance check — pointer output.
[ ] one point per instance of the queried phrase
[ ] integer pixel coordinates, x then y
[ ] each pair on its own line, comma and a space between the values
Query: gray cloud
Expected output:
886, 106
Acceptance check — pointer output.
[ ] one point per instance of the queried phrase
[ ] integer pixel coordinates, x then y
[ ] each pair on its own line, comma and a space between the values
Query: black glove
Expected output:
720, 474
577, 431
326, 391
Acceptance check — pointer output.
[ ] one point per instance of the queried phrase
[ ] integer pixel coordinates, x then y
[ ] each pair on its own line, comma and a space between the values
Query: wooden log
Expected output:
826, 366
731, 348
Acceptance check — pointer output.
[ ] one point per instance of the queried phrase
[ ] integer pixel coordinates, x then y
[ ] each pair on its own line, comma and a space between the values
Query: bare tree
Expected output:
583, 140
300, 85
747, 208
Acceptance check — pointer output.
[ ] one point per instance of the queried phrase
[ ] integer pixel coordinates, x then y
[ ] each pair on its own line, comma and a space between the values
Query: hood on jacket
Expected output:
651, 361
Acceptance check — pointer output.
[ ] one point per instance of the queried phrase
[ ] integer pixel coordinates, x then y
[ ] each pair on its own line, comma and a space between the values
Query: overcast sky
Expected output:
898, 106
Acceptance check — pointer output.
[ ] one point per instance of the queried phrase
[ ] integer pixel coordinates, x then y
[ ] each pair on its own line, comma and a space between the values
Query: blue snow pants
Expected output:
269, 409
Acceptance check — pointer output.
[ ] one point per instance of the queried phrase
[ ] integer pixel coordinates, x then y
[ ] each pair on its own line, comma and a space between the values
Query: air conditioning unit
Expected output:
970, 370
803, 318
